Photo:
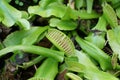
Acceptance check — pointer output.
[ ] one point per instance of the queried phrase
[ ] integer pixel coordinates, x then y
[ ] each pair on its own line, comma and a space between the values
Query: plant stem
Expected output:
32, 62
59, 56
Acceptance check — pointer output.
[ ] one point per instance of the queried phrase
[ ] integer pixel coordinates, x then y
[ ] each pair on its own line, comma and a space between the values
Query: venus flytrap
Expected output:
110, 15
47, 71
64, 17
61, 41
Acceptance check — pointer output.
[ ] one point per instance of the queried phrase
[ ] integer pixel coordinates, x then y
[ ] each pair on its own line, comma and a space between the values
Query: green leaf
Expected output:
85, 60
79, 3
10, 15
97, 34
89, 70
93, 51
84, 15
73, 76
70, 14
89, 5
1, 46
47, 70
63, 24
114, 41
45, 3
54, 9
97, 40
118, 12
75, 66
23, 23
24, 36
34, 36
25, 15
110, 15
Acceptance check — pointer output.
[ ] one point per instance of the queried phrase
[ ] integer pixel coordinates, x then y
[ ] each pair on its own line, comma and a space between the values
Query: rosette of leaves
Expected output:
63, 16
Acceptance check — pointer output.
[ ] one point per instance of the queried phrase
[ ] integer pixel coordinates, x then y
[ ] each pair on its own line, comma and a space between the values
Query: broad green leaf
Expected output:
24, 36
10, 15
32, 38
63, 24
54, 9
